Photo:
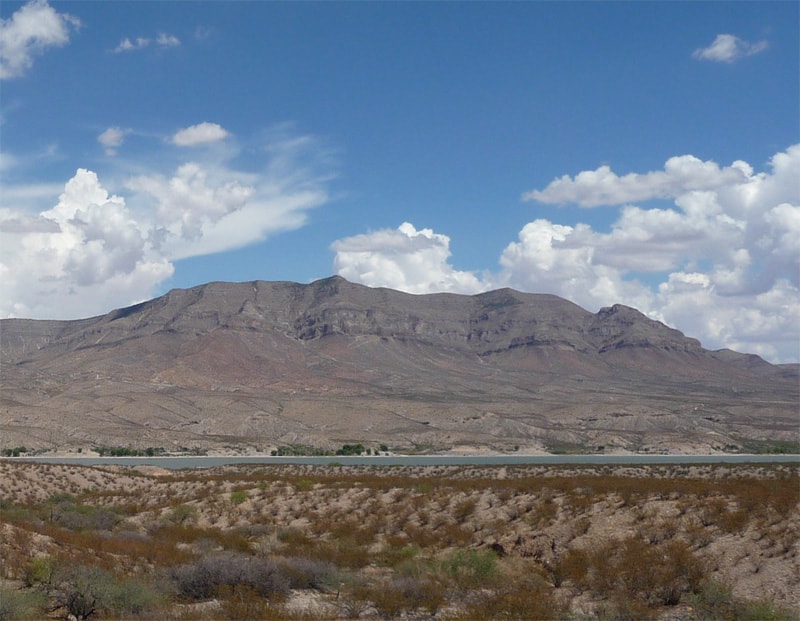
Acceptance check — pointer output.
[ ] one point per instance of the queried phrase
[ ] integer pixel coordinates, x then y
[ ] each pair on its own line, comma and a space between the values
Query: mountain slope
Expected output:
266, 363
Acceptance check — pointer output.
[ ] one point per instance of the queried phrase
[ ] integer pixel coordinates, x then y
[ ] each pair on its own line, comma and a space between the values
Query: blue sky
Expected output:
644, 153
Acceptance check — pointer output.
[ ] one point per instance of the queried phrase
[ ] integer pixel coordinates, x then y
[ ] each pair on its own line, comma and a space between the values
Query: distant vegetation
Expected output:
303, 450
111, 451
769, 447
14, 452
119, 451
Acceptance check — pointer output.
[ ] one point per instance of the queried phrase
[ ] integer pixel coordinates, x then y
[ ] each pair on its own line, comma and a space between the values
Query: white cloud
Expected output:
727, 48
126, 45
28, 32
405, 259
203, 133
87, 251
681, 174
720, 264
97, 238
558, 259
94, 250
724, 257
163, 40
112, 138
189, 199
167, 40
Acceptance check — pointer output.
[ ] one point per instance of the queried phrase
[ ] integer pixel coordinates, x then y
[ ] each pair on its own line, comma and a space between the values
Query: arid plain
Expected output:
334, 542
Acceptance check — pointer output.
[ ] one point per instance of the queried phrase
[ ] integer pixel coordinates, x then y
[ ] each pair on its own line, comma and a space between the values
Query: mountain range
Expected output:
257, 365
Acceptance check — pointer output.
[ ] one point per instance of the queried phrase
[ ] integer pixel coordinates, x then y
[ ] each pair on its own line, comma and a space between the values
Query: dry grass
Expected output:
523, 542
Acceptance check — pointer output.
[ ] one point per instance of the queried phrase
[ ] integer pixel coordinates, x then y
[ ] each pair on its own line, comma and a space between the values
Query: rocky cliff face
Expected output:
333, 361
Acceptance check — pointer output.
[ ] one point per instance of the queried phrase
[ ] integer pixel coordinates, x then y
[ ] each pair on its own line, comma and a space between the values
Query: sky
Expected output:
640, 153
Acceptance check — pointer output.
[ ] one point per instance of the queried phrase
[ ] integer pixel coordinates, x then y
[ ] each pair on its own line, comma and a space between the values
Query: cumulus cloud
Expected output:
28, 32
602, 186
203, 133
724, 257
163, 40
93, 250
112, 138
189, 199
52, 262
720, 263
727, 48
405, 259
553, 258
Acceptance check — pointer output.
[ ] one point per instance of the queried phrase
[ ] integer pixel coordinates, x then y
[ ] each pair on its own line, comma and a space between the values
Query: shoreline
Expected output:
177, 462
458, 453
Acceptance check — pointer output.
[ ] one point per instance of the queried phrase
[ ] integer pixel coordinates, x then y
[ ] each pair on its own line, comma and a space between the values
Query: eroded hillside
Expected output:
332, 542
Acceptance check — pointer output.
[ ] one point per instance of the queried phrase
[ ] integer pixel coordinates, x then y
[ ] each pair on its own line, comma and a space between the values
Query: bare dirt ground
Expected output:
585, 542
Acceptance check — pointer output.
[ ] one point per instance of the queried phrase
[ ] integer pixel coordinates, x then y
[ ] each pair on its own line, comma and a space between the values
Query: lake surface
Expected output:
177, 463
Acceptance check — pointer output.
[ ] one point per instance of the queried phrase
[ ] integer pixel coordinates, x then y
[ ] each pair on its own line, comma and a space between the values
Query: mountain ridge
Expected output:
333, 361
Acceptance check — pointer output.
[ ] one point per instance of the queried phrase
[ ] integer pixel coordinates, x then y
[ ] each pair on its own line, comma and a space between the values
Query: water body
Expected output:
178, 463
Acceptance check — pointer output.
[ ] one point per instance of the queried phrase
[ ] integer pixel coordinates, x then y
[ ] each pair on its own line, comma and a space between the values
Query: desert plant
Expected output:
470, 569
396, 596
715, 600
569, 566
85, 590
527, 599
40, 572
132, 597
204, 578
21, 605
238, 497
81, 591
632, 569
464, 509
353, 596
181, 514
308, 573
244, 603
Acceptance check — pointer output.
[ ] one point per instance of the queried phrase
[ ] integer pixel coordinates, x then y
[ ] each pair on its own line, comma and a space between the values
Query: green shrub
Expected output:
238, 497
83, 590
21, 605
182, 514
304, 485
715, 600
133, 596
470, 569
40, 572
